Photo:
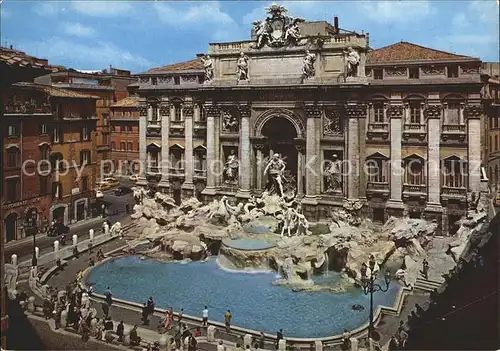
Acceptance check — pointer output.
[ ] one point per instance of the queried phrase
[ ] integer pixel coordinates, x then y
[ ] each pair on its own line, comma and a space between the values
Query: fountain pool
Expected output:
252, 298
248, 244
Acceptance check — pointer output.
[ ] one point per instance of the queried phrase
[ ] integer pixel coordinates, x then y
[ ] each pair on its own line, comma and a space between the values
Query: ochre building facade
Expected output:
405, 120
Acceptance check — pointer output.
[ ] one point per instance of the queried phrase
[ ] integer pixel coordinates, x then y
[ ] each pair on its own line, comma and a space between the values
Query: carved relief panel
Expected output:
332, 122
230, 123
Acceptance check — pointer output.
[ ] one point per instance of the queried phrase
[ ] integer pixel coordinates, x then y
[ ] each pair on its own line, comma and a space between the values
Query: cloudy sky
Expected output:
138, 35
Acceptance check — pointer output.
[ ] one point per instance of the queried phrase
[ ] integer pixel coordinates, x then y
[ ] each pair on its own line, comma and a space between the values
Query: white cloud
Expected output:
392, 11
49, 8
480, 22
102, 8
199, 15
93, 55
77, 29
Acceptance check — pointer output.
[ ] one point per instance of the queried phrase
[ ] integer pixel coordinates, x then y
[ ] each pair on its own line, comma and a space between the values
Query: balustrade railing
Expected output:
453, 128
450, 190
414, 188
374, 126
414, 127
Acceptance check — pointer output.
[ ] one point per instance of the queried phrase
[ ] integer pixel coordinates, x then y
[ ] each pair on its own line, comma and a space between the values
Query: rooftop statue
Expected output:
208, 66
278, 30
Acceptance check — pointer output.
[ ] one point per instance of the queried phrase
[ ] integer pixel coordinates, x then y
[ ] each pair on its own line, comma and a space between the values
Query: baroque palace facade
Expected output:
403, 123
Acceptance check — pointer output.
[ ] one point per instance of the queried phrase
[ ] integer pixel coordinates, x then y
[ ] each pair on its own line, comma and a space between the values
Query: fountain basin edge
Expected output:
360, 331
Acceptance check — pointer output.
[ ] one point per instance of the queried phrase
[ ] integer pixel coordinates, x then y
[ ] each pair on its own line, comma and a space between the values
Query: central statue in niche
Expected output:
274, 171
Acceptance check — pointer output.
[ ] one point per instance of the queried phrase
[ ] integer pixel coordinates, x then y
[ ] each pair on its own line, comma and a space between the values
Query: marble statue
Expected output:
231, 168
242, 67
274, 170
105, 227
139, 194
116, 229
352, 62
292, 33
308, 70
229, 122
278, 29
208, 66
333, 174
289, 221
261, 29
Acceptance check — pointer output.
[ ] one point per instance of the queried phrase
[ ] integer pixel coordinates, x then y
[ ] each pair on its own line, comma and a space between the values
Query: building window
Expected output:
455, 173
56, 191
105, 119
177, 80
56, 135
43, 128
377, 170
154, 116
122, 129
414, 171
496, 142
414, 113
129, 128
378, 73
12, 190
13, 157
129, 146
85, 157
414, 73
105, 138
85, 184
176, 158
84, 133
113, 145
452, 71
13, 131
453, 114
378, 112
44, 153
154, 81
177, 112
44, 188
200, 161
122, 146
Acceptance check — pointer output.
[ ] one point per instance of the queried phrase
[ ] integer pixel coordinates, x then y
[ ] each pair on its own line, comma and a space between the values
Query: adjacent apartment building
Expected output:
410, 114
48, 139
109, 85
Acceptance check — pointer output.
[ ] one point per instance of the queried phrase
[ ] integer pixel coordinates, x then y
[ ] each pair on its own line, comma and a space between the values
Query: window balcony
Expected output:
177, 128
153, 170
200, 173
454, 193
378, 130
176, 172
415, 191
414, 130
378, 189
453, 132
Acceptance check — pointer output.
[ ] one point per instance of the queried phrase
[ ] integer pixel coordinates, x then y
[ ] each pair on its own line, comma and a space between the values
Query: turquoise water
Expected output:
254, 302
248, 244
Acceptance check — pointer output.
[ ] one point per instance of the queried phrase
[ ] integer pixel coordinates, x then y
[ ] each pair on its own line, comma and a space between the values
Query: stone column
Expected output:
142, 143
313, 173
260, 166
165, 147
300, 170
396, 130
433, 155
244, 172
211, 113
355, 112
474, 113
187, 112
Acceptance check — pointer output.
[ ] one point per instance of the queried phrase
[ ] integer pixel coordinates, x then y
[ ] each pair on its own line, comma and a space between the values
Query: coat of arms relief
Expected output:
278, 30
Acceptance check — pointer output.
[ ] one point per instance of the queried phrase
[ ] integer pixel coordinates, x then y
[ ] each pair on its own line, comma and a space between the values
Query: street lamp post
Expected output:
370, 287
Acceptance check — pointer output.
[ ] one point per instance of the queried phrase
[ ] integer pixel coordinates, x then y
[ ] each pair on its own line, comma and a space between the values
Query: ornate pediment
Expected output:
277, 30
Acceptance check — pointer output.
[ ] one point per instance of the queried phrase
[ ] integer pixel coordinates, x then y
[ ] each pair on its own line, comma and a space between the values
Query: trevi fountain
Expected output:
267, 263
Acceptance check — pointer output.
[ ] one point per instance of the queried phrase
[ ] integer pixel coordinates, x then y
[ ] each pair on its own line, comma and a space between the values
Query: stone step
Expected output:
427, 285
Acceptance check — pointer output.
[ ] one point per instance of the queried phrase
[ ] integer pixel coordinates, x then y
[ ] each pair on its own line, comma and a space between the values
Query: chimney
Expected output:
336, 24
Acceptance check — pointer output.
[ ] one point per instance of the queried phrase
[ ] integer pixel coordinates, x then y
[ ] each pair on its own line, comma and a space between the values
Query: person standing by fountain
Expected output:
279, 336
169, 318
109, 298
204, 313
227, 318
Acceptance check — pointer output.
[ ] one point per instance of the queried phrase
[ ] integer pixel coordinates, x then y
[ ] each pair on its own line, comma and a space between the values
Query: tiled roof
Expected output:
404, 52
131, 101
195, 64
16, 58
55, 92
